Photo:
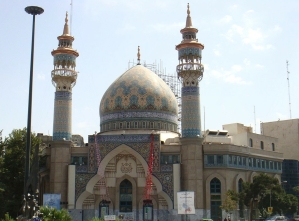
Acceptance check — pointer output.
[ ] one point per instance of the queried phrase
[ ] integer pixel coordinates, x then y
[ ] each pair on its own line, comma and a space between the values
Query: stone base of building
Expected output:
137, 215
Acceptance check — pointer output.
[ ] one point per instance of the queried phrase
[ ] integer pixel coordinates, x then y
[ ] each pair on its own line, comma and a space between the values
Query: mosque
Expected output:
138, 162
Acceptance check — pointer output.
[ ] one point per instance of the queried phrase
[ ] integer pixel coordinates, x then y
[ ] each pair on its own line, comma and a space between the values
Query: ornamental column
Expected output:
64, 78
190, 71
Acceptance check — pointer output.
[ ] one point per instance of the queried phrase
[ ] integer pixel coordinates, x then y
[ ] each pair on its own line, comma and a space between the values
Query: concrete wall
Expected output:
287, 132
236, 128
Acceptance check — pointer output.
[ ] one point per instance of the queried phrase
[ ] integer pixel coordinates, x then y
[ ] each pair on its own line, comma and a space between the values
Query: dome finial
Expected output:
188, 20
138, 56
66, 26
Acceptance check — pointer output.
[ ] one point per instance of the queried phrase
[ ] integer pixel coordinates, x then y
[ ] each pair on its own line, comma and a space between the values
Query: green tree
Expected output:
265, 191
230, 203
12, 167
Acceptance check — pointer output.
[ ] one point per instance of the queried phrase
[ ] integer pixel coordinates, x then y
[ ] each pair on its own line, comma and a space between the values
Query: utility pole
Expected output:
288, 79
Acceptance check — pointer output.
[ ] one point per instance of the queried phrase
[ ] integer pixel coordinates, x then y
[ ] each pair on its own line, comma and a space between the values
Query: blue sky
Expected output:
246, 43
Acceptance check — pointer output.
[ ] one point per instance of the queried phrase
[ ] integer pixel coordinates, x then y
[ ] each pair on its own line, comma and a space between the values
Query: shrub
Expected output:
51, 214
7, 218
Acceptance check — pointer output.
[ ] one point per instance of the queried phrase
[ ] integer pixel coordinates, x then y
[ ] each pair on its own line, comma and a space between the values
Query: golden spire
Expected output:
188, 20
138, 56
66, 30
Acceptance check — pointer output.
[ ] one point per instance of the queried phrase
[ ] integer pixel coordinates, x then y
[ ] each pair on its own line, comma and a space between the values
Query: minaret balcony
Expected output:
196, 67
64, 74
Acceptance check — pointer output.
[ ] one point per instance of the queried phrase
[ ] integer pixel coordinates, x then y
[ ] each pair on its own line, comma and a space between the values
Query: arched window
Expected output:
262, 145
125, 196
215, 195
273, 147
241, 207
250, 142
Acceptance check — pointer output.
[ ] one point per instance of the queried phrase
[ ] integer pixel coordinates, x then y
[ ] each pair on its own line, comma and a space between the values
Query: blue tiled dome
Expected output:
138, 99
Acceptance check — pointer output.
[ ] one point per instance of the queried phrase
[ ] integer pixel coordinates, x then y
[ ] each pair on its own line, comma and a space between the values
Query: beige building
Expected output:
287, 132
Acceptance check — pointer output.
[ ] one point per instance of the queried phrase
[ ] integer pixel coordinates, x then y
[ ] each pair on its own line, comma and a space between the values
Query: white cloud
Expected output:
216, 52
234, 79
230, 76
248, 32
236, 68
226, 19
259, 66
246, 62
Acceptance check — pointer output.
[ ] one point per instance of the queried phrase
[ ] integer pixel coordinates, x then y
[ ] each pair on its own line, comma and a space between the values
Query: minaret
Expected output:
64, 78
190, 71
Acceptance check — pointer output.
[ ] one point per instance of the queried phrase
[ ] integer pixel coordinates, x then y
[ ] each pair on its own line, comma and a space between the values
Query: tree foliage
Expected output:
265, 191
230, 203
12, 167
52, 214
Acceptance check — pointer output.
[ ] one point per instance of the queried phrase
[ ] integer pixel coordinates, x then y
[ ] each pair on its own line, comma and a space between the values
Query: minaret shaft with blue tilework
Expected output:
64, 78
190, 71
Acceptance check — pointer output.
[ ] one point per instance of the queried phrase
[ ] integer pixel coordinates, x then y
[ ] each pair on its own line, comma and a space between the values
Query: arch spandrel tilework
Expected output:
139, 143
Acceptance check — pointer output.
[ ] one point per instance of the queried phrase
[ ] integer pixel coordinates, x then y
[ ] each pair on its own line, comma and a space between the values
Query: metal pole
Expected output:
33, 10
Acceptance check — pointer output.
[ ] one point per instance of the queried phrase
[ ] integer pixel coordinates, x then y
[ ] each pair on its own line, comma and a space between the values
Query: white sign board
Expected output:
186, 202
110, 217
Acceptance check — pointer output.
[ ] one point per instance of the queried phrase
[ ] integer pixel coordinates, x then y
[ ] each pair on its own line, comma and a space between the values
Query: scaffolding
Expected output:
171, 80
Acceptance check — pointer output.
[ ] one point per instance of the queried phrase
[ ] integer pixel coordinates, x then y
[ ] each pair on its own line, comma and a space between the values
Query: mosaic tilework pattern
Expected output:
92, 165
67, 58
140, 115
81, 181
139, 143
166, 168
62, 126
166, 179
138, 90
191, 125
189, 51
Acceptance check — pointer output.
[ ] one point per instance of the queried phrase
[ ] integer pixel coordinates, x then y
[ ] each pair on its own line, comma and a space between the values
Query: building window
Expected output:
125, 196
120, 125
271, 165
143, 124
273, 147
249, 162
128, 124
230, 159
258, 163
250, 142
159, 125
263, 164
152, 124
244, 161
170, 159
234, 160
79, 160
219, 159
215, 194
135, 124
254, 162
240, 187
210, 159
262, 145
